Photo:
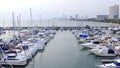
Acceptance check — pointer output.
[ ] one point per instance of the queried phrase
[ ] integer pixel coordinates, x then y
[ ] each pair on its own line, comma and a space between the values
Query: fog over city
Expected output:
47, 9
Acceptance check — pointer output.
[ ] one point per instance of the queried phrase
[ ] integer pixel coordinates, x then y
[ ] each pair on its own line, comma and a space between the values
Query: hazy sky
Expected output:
53, 8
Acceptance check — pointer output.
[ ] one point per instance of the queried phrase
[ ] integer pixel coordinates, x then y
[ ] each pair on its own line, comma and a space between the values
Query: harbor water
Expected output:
64, 51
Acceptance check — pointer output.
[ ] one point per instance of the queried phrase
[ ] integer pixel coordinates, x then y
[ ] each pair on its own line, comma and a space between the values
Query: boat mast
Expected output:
40, 19
32, 33
31, 17
3, 23
19, 22
13, 23
31, 21
53, 23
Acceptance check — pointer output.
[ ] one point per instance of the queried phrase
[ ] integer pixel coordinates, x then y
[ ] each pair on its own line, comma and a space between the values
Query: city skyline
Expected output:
47, 9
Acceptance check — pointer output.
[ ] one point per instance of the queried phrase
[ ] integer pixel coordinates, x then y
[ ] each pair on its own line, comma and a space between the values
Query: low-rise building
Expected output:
102, 17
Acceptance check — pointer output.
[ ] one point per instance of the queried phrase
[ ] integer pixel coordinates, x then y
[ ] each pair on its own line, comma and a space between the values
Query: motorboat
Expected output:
115, 64
97, 48
91, 44
106, 52
12, 58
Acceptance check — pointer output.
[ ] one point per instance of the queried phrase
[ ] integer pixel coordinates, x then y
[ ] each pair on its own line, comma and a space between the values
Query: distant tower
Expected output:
76, 16
114, 12
86, 17
64, 17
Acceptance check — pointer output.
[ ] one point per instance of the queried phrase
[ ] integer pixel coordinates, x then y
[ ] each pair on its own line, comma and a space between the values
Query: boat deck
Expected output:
107, 60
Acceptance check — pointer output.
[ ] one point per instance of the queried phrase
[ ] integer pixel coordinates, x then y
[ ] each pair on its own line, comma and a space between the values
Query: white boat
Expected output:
24, 32
115, 64
106, 52
91, 44
51, 35
24, 51
97, 48
32, 48
12, 58
85, 40
39, 43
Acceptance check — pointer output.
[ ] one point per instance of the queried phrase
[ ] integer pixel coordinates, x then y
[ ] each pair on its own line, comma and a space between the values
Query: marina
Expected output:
63, 50
59, 34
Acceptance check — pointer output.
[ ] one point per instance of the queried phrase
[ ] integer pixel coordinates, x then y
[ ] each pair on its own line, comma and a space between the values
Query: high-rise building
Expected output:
114, 12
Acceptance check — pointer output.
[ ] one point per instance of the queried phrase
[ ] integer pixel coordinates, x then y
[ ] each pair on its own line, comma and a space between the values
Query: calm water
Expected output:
64, 51
69, 23
60, 23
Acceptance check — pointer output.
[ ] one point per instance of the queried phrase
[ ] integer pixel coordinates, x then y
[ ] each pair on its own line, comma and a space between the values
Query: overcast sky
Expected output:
53, 8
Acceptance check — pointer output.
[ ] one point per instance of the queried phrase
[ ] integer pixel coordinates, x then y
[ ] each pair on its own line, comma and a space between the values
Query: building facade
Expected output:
102, 17
114, 12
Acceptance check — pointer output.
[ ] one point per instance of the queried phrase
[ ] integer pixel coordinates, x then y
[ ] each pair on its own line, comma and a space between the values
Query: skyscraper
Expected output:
114, 12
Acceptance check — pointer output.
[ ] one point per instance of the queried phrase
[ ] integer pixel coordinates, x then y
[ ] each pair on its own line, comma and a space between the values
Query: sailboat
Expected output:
11, 57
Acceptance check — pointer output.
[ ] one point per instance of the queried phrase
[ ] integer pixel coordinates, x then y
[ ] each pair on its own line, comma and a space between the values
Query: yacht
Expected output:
115, 64
12, 58
106, 52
